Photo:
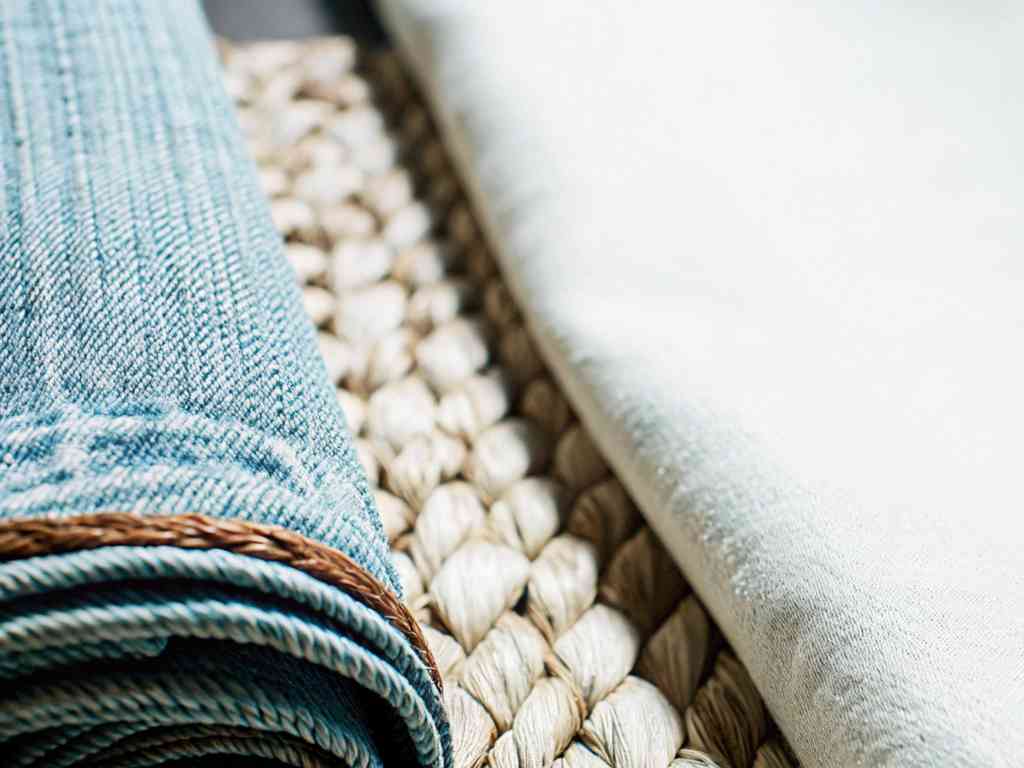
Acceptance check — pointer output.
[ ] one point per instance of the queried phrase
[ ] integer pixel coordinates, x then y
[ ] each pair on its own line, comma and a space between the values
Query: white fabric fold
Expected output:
776, 256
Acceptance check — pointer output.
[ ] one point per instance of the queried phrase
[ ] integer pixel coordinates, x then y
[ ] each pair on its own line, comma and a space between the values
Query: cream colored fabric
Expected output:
565, 633
775, 256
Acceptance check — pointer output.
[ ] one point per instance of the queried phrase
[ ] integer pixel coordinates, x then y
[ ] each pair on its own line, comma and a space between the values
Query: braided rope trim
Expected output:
32, 537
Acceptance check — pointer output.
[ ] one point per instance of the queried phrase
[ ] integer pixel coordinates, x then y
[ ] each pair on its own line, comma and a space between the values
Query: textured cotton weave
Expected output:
155, 359
772, 251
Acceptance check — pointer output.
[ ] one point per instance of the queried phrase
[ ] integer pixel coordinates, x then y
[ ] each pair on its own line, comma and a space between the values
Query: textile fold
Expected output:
772, 253
191, 563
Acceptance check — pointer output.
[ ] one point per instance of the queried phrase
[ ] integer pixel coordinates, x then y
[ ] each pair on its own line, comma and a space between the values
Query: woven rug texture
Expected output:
565, 633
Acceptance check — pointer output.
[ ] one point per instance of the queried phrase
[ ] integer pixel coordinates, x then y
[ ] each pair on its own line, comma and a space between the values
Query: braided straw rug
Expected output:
565, 634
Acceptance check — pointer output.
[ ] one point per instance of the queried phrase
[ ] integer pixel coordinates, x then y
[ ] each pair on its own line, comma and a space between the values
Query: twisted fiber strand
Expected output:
118, 698
180, 753
56, 739
191, 743
269, 748
156, 737
18, 663
33, 537
93, 738
29, 707
210, 703
99, 566
173, 698
110, 740
104, 738
151, 613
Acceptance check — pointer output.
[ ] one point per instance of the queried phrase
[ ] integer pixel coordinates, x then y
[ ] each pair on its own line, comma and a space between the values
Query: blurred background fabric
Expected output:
273, 19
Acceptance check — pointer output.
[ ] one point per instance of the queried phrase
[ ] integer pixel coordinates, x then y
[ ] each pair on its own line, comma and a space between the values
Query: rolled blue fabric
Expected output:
191, 563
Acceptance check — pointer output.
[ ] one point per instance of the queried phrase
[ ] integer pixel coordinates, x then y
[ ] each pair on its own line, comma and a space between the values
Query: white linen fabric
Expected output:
776, 256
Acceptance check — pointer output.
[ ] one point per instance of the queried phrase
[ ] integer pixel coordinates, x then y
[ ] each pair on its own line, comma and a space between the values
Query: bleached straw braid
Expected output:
565, 633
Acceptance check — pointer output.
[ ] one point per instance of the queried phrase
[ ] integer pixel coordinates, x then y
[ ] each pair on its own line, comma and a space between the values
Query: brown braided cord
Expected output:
31, 537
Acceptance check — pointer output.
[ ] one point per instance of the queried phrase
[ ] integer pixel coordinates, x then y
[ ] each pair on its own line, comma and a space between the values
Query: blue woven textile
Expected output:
154, 359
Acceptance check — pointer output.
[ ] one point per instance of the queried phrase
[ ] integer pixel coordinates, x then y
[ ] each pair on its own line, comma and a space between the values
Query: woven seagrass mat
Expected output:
565, 633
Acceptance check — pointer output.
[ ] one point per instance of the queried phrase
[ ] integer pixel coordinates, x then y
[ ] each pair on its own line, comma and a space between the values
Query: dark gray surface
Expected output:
261, 19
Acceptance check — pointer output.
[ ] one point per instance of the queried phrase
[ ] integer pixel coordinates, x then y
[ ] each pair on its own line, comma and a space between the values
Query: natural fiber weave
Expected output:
564, 631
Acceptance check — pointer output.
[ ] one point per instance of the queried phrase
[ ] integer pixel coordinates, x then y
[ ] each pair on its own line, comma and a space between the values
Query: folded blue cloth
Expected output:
191, 564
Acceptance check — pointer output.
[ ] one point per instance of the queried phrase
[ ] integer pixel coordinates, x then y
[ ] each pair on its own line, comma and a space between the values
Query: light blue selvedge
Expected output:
154, 357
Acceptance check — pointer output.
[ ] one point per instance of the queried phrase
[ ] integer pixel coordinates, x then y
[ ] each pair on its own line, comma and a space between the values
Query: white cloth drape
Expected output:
776, 256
